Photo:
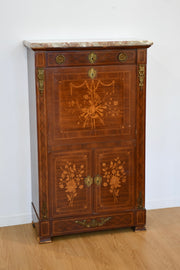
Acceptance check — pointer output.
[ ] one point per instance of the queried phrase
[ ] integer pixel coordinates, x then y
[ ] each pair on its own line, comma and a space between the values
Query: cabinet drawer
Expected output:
81, 58
92, 223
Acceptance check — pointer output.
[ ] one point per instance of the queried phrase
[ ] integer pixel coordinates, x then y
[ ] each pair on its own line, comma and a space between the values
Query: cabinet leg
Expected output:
45, 240
139, 228
33, 224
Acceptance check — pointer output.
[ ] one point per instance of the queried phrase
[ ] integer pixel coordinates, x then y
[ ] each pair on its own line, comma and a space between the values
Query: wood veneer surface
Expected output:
90, 125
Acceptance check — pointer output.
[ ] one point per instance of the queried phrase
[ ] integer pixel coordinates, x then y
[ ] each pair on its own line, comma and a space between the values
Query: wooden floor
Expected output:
155, 249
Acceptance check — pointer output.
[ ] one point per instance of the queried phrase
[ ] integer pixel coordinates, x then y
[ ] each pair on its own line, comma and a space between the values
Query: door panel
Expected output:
67, 172
116, 168
79, 106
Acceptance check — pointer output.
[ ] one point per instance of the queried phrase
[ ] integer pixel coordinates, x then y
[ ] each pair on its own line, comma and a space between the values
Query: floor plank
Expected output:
157, 248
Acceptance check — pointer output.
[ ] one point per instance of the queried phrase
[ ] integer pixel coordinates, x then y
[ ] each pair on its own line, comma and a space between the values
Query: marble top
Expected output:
37, 45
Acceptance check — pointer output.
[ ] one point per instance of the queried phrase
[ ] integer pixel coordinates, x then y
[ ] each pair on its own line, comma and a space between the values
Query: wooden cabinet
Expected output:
87, 122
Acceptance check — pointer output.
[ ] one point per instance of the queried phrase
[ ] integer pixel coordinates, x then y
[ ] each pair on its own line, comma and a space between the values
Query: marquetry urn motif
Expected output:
96, 101
87, 121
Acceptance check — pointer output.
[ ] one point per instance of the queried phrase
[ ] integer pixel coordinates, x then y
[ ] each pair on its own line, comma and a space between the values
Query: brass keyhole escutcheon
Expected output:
88, 181
97, 180
92, 57
122, 57
92, 73
60, 59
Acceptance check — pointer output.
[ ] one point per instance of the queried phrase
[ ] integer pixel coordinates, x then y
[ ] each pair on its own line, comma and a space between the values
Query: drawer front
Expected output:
92, 223
83, 58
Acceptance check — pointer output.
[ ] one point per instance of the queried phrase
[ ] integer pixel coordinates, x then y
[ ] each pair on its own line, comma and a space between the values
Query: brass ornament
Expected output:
92, 73
141, 75
92, 57
97, 180
140, 201
122, 57
60, 59
44, 210
93, 223
40, 76
88, 181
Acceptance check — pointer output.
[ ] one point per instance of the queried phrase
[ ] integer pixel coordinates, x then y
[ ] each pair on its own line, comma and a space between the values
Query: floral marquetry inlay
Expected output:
114, 176
71, 178
96, 103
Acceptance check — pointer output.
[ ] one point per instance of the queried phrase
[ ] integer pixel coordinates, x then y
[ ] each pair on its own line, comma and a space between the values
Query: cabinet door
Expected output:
70, 189
88, 102
114, 181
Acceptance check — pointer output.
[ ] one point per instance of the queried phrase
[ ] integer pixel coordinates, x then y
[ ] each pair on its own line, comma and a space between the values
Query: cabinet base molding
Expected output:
46, 229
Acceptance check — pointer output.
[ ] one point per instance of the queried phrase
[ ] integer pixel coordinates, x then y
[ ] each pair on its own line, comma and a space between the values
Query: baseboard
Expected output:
15, 220
157, 204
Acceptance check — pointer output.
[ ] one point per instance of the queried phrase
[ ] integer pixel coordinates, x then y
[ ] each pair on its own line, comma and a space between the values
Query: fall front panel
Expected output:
115, 169
69, 185
90, 102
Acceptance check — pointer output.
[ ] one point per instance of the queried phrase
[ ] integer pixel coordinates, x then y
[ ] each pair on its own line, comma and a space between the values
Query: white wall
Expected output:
158, 21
